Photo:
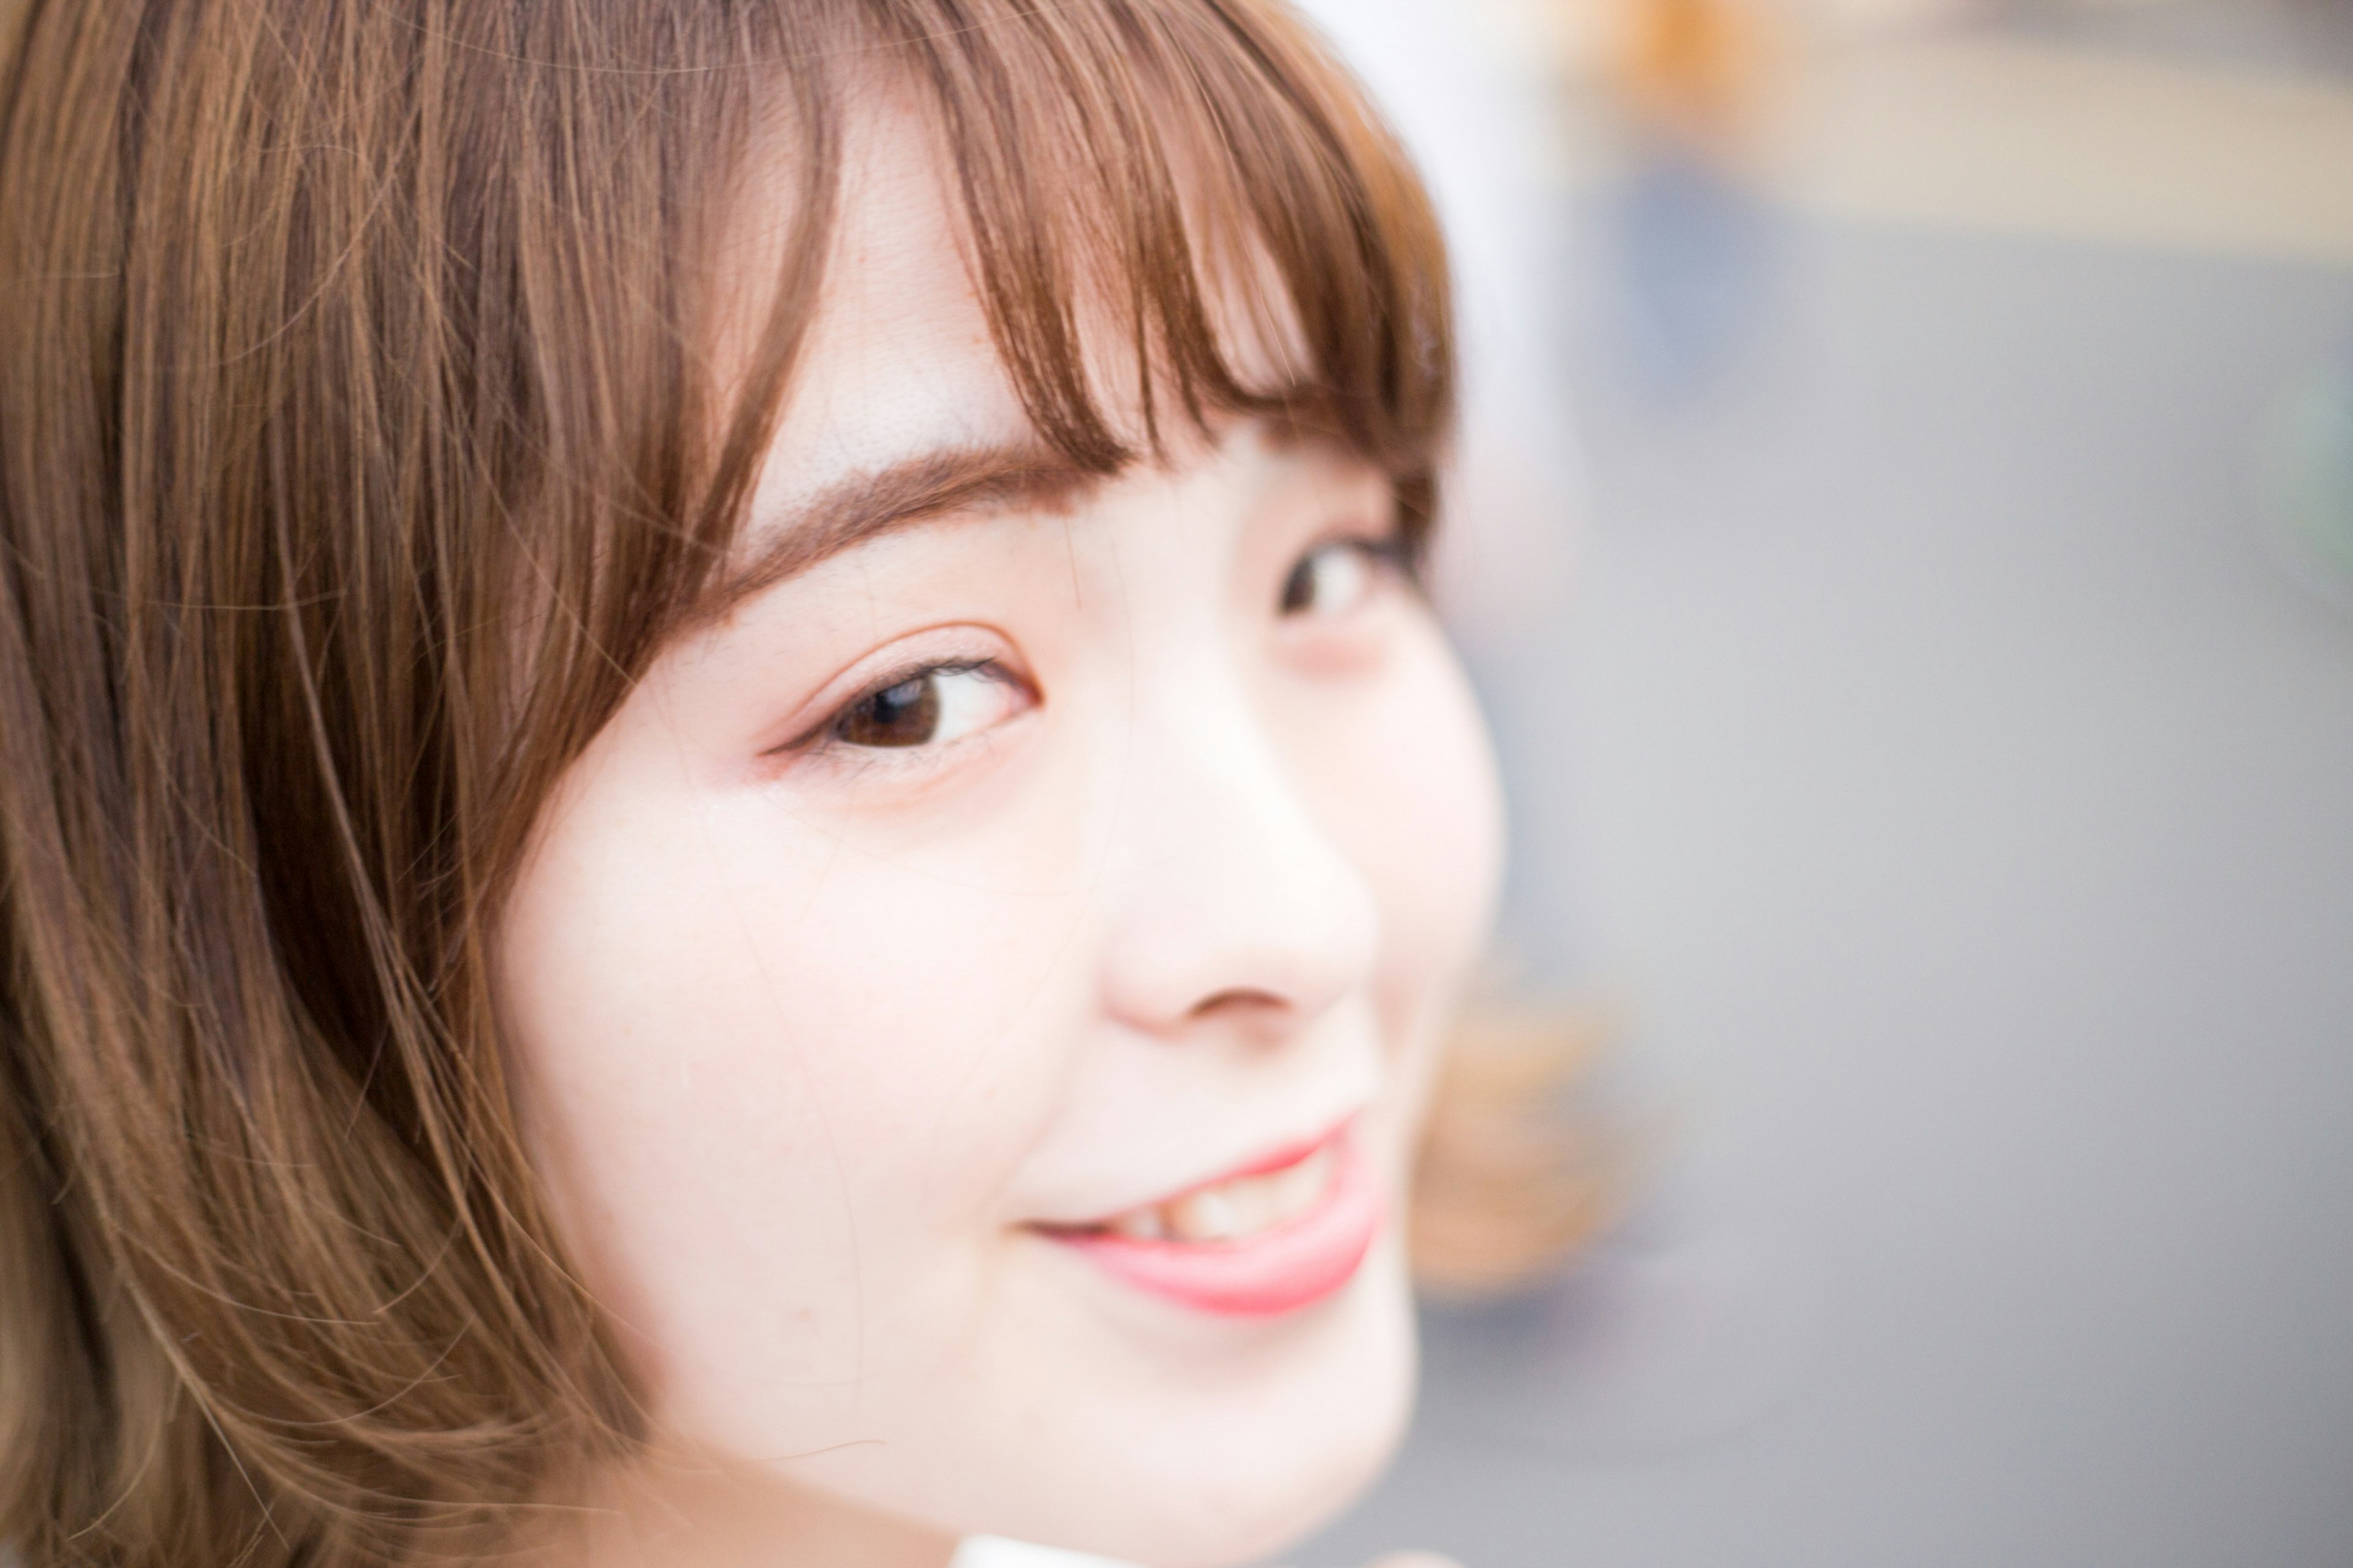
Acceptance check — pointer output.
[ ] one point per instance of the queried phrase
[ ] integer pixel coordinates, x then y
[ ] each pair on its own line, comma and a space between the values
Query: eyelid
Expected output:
818, 734
1389, 544
1392, 548
977, 647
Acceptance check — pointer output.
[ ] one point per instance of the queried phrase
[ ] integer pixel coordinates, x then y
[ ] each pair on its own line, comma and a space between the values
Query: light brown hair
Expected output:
333, 332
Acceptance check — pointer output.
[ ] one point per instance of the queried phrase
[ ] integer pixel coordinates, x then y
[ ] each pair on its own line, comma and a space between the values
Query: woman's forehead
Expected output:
901, 354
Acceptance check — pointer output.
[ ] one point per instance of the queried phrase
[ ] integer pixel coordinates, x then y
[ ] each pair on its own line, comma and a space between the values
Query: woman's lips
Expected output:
1275, 1235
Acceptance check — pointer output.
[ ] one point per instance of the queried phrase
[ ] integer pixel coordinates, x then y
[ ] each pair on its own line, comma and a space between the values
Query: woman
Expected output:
730, 834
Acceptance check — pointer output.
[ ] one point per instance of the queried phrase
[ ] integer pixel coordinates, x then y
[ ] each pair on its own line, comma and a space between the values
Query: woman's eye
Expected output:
1333, 579
931, 707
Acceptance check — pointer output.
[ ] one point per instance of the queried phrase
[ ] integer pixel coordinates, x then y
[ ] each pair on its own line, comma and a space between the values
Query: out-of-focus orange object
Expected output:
1694, 71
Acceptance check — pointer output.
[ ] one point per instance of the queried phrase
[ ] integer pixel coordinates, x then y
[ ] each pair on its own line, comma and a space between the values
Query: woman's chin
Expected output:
1233, 1469
1256, 1518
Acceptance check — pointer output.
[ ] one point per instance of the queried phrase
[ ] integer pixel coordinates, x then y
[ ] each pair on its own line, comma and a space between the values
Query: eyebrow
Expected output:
1004, 476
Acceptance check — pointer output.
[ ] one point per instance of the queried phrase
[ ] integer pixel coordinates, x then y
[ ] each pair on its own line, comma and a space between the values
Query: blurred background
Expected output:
1905, 545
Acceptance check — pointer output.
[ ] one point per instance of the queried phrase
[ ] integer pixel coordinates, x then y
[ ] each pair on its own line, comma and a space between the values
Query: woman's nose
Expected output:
1235, 905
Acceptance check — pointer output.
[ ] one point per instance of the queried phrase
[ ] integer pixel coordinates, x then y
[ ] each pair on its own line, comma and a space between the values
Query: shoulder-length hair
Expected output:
332, 332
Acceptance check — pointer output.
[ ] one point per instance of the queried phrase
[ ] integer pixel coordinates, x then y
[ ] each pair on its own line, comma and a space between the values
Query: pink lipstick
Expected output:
1272, 1236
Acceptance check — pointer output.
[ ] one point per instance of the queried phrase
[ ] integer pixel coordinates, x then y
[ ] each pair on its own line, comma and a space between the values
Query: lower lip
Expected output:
1280, 1270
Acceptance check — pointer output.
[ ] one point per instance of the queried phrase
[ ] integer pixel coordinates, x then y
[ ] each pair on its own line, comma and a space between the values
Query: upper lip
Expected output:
1270, 1156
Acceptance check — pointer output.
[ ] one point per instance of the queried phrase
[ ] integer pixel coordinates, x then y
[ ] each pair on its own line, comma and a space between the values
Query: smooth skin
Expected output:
1005, 867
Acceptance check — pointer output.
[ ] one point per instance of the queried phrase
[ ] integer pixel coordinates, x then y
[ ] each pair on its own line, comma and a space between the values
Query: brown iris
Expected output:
907, 715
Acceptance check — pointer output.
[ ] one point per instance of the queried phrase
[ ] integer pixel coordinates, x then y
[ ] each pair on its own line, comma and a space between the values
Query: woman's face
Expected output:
902, 977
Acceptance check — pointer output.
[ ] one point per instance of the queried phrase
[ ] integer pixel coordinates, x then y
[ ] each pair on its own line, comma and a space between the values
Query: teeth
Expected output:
1213, 1214
1297, 1189
1141, 1225
1238, 1210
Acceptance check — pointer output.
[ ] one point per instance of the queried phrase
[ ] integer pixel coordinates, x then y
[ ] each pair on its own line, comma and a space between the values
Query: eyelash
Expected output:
828, 735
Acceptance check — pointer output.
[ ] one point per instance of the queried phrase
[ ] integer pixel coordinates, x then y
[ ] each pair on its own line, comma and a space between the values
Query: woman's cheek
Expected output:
1415, 797
1408, 787
756, 1042
1457, 789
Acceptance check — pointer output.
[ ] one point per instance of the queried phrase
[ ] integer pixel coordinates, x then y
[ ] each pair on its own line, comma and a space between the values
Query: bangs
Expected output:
1163, 164
1170, 209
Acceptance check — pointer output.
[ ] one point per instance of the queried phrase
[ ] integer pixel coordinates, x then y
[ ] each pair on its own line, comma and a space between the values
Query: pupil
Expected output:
902, 715
1299, 588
